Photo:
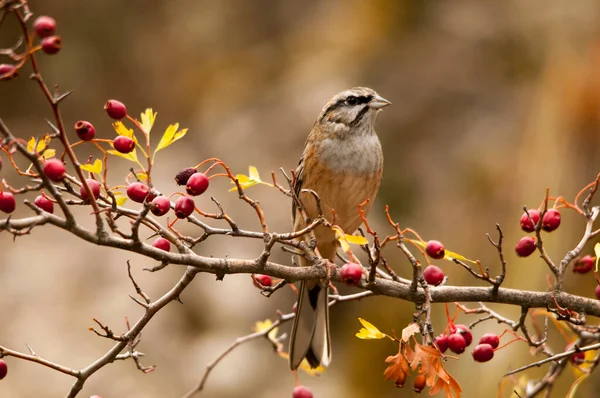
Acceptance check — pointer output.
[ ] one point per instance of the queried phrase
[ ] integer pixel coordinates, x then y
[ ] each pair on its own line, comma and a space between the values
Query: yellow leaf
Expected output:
409, 331
48, 153
448, 256
148, 118
30, 144
356, 240
304, 366
345, 239
131, 156
170, 136
261, 326
122, 130
249, 180
369, 331
121, 199
41, 145
93, 168
142, 176
597, 252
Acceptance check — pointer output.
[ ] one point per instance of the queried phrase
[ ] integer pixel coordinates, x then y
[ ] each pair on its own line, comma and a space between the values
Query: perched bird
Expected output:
343, 163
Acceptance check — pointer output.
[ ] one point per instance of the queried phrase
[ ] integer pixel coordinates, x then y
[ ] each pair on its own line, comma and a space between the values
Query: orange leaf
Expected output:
398, 370
409, 331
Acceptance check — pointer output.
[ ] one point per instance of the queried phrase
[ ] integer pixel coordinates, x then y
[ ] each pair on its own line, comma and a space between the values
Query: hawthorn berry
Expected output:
162, 244
483, 352
464, 331
160, 206
264, 280
551, 220
578, 357
94, 187
55, 170
197, 184
597, 292
457, 343
44, 26
137, 192
526, 224
3, 369
491, 339
115, 109
420, 382
123, 144
7, 202
8, 71
442, 342
583, 265
351, 274
85, 130
184, 206
435, 249
44, 203
433, 275
51, 44
302, 392
184, 175
525, 246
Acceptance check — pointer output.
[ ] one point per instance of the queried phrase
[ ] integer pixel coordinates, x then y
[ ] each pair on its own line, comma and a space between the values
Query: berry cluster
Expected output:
460, 337
529, 222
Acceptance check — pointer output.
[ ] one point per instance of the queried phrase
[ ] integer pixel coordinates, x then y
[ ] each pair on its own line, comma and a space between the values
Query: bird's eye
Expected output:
352, 100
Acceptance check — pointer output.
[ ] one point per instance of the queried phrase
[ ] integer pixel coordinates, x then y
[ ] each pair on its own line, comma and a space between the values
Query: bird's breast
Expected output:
360, 155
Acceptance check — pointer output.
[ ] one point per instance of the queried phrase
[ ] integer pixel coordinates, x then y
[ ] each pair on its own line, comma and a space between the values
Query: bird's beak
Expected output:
378, 102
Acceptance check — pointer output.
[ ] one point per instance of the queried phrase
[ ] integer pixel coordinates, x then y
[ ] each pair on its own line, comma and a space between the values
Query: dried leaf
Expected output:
409, 331
369, 331
398, 370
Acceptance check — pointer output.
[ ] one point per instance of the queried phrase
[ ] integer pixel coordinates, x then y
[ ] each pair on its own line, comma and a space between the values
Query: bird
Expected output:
342, 163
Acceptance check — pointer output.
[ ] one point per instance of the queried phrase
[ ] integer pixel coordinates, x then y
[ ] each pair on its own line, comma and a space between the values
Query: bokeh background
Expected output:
492, 103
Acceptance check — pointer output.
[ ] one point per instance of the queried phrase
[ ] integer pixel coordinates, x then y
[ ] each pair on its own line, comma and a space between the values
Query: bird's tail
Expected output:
310, 333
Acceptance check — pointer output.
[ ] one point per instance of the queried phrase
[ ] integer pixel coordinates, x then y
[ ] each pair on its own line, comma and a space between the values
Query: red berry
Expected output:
456, 343
197, 184
184, 175
115, 109
464, 331
433, 275
483, 352
123, 144
583, 265
526, 224
44, 203
55, 170
578, 357
137, 192
491, 339
94, 187
551, 220
85, 130
525, 246
51, 44
8, 71
442, 342
302, 392
184, 207
3, 369
597, 292
351, 273
162, 244
420, 382
7, 202
160, 206
264, 280
435, 249
44, 26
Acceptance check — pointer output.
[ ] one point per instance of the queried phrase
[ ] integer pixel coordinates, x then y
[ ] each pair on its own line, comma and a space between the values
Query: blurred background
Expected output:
492, 103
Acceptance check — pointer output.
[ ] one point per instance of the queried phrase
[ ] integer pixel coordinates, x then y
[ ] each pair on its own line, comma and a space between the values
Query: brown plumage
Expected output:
343, 163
